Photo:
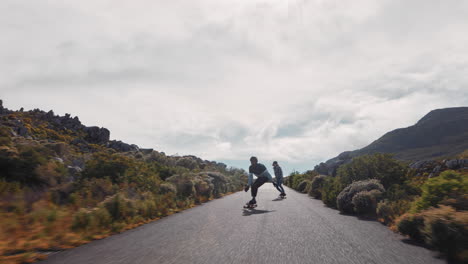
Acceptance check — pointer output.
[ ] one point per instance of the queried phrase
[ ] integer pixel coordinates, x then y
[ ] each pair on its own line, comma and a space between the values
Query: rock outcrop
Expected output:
121, 146
96, 135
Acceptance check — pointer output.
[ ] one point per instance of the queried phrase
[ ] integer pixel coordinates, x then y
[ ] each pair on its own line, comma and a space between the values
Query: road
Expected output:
294, 230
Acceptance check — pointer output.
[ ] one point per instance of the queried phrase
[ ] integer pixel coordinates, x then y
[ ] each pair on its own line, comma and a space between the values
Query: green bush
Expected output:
387, 211
411, 225
102, 217
330, 190
302, 187
184, 184
113, 166
83, 220
147, 209
316, 186
5, 136
296, 178
365, 202
22, 168
345, 198
204, 188
167, 188
449, 184
119, 208
378, 166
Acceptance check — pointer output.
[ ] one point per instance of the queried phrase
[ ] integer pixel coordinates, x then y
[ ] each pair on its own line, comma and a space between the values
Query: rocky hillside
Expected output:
441, 134
63, 183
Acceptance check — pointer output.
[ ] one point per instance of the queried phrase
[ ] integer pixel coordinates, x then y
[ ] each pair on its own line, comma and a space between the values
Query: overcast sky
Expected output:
296, 81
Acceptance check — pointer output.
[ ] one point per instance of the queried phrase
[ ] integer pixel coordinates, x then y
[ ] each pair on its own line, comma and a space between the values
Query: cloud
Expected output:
296, 81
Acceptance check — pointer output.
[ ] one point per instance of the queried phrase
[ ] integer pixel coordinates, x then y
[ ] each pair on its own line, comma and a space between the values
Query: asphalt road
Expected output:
295, 230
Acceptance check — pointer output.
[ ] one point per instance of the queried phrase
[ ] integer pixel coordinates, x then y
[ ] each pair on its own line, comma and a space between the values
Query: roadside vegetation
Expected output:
430, 210
59, 191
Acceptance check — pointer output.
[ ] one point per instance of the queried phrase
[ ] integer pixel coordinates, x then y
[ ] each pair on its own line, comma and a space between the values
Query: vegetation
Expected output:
359, 192
448, 185
431, 210
317, 186
443, 228
59, 191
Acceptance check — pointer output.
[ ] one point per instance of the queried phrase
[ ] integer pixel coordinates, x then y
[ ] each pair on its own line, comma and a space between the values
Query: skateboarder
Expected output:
262, 176
279, 179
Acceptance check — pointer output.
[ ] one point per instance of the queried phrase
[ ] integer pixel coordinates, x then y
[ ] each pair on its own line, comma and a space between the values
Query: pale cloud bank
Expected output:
295, 81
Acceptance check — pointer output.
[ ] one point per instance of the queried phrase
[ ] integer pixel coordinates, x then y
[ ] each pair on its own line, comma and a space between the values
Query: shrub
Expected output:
302, 187
449, 184
167, 188
5, 136
183, 184
82, 220
447, 230
411, 225
203, 188
388, 211
459, 203
296, 178
119, 208
316, 186
344, 199
378, 166
331, 188
21, 168
102, 217
187, 162
366, 202
106, 165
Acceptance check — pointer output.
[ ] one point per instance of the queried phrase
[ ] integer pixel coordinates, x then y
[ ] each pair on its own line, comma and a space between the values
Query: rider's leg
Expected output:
258, 182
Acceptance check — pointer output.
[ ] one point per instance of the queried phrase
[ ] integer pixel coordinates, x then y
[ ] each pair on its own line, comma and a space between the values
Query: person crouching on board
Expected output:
262, 176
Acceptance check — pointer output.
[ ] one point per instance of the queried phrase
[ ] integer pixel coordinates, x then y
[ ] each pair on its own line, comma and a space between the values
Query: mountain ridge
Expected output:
442, 133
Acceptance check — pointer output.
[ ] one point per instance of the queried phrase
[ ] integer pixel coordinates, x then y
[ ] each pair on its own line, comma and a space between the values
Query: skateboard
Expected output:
250, 206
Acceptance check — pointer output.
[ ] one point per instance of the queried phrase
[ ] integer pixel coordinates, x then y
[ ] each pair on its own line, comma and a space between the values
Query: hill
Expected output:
63, 183
442, 133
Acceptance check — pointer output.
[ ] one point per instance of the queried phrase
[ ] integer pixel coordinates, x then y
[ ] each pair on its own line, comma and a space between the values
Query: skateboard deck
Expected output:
250, 206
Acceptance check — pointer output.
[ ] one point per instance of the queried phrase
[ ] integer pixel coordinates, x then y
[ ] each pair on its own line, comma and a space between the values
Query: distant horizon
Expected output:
288, 167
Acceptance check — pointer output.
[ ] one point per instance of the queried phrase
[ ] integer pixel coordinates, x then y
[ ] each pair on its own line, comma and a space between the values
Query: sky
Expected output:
296, 81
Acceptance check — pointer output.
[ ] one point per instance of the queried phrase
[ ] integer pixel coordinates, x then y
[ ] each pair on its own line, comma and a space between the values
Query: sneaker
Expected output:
252, 202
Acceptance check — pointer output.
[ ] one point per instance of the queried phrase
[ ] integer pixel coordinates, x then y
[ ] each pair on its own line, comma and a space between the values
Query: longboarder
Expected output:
263, 176
279, 179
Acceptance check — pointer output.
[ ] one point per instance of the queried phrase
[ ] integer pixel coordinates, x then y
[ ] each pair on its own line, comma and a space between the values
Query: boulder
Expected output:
463, 163
97, 135
146, 151
451, 164
424, 165
437, 169
122, 146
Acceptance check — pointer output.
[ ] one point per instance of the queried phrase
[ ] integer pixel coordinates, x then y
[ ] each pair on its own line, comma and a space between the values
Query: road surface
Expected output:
295, 230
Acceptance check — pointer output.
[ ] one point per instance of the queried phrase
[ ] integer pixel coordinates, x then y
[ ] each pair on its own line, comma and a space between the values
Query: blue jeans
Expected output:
279, 186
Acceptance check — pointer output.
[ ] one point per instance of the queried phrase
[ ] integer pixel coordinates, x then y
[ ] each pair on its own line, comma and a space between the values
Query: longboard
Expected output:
250, 206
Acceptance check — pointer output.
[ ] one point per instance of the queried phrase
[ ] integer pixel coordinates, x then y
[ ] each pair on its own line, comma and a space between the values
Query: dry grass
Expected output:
23, 236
